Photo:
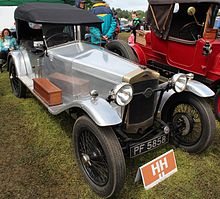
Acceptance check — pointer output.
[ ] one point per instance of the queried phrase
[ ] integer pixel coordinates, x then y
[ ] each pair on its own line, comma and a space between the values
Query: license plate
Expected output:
148, 145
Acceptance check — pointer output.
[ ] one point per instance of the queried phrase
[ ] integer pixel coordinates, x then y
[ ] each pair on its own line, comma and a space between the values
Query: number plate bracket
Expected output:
148, 145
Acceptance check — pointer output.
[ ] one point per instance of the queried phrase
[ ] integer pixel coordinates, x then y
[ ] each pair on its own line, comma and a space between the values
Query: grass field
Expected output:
36, 159
124, 36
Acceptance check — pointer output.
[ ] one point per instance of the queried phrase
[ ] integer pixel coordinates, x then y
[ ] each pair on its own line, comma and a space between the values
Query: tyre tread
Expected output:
124, 47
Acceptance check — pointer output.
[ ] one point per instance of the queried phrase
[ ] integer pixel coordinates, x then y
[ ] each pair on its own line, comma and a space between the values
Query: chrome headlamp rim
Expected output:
118, 90
179, 82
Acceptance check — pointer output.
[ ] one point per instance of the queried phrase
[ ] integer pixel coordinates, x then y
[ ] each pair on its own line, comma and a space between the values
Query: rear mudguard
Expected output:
20, 62
194, 87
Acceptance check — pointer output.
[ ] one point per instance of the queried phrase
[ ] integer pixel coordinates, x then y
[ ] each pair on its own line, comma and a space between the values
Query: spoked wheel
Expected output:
93, 158
192, 121
217, 105
18, 88
187, 123
100, 157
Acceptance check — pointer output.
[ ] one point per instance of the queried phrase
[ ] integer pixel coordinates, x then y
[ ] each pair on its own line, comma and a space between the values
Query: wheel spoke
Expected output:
99, 168
90, 143
188, 125
93, 158
82, 141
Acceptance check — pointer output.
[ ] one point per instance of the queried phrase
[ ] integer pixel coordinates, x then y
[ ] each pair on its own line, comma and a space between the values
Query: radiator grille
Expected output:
141, 109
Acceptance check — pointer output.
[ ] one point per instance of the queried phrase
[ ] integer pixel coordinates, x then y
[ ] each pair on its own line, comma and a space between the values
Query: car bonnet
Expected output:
95, 61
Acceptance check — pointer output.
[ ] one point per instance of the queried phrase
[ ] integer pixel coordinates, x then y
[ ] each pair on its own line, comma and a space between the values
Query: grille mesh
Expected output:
142, 108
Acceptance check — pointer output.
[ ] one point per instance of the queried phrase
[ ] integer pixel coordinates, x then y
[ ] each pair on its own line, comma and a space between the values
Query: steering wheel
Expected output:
59, 38
189, 30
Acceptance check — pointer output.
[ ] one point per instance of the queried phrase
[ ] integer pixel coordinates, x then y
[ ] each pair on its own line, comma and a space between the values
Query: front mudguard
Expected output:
199, 89
139, 53
192, 86
101, 112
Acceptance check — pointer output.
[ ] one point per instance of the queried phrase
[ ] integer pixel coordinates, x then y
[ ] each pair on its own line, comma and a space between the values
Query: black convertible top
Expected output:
155, 2
160, 13
19, 2
54, 13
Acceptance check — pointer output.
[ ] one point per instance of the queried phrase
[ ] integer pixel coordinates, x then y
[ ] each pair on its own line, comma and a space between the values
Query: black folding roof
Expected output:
54, 13
19, 2
160, 14
154, 2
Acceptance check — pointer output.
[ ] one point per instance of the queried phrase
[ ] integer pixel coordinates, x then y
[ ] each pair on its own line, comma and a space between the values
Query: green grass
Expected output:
124, 36
36, 159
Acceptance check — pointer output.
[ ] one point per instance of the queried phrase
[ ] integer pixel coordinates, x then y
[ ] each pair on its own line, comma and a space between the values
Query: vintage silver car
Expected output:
120, 108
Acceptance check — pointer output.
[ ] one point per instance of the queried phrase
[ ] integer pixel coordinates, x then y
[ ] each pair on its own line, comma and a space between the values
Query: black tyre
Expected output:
192, 120
18, 88
122, 48
217, 105
100, 157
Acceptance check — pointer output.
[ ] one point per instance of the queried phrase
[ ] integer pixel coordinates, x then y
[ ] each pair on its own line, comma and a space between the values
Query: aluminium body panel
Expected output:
69, 68
95, 61
79, 68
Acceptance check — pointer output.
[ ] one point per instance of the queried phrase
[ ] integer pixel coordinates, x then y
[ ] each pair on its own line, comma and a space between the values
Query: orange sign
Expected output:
158, 169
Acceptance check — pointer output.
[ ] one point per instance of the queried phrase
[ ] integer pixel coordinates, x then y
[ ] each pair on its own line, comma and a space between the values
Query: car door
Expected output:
186, 55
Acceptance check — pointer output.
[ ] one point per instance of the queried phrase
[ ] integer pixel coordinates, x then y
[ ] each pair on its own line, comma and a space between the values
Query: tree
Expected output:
89, 4
127, 14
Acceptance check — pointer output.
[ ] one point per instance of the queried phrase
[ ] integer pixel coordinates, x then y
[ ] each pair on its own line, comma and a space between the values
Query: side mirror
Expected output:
191, 11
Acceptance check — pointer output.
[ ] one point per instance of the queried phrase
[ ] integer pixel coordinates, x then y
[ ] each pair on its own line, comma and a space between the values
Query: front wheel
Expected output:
192, 121
100, 157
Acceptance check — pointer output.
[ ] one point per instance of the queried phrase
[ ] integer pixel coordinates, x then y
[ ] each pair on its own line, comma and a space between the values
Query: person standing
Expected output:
7, 44
109, 24
81, 4
136, 23
117, 29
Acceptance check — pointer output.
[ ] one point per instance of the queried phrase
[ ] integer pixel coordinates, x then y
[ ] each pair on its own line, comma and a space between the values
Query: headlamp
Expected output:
122, 94
179, 80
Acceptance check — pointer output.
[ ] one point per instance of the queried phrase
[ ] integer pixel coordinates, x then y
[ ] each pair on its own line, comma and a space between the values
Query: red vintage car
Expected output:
184, 36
